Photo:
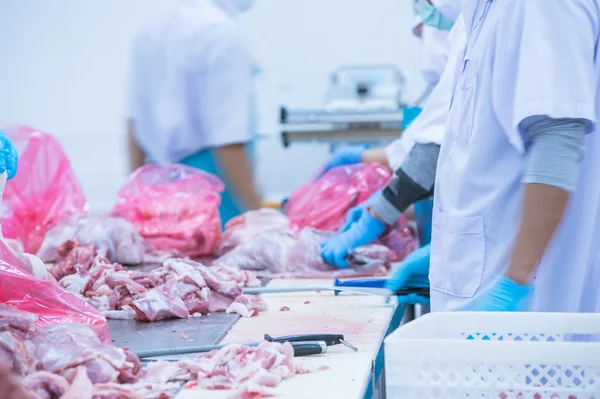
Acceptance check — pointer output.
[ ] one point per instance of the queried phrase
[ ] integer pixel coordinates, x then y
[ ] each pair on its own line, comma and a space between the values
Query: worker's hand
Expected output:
413, 272
353, 216
345, 156
365, 230
503, 295
8, 156
356, 213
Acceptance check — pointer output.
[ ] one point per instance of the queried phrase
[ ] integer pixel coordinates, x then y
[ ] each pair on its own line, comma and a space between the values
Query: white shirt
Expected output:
191, 82
430, 125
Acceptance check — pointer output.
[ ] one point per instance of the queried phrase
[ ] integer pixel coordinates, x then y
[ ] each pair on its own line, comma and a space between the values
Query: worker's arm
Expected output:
136, 155
236, 167
556, 148
412, 182
375, 155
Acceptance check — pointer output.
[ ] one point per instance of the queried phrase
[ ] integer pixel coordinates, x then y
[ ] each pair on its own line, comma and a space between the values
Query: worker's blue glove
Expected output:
365, 230
413, 272
503, 295
345, 156
8, 156
356, 213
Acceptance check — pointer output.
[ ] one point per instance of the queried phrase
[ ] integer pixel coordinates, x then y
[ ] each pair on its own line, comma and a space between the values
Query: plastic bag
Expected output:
323, 203
47, 300
45, 191
175, 207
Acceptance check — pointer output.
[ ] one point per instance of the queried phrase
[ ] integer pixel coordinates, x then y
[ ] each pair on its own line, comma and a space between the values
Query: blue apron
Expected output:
206, 160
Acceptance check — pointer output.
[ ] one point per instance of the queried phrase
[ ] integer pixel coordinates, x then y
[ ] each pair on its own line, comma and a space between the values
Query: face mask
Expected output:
431, 16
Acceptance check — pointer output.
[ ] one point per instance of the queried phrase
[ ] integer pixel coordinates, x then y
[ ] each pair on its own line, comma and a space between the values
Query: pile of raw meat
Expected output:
174, 207
262, 241
178, 289
252, 371
112, 238
68, 361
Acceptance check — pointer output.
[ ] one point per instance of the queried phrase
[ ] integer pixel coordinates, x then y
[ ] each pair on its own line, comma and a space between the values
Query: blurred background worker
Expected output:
191, 92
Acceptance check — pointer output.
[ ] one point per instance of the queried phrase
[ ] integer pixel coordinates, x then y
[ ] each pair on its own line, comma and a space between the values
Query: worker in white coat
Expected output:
190, 96
517, 197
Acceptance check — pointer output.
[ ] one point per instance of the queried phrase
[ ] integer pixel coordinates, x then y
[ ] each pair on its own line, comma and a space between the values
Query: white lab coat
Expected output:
522, 58
191, 81
430, 125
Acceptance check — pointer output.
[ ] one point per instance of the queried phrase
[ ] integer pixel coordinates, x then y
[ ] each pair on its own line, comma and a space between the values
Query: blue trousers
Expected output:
206, 160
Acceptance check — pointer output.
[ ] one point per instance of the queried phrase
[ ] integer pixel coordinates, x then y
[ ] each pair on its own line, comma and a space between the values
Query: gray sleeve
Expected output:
555, 150
412, 182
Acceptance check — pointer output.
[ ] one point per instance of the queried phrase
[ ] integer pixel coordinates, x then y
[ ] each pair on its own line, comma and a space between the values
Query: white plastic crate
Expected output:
495, 355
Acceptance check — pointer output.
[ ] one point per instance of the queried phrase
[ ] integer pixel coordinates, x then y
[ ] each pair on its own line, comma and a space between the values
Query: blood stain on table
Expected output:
306, 302
284, 309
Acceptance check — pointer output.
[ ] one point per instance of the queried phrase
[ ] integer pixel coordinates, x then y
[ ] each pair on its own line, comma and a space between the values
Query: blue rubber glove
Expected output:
503, 295
365, 230
413, 272
345, 156
8, 156
356, 213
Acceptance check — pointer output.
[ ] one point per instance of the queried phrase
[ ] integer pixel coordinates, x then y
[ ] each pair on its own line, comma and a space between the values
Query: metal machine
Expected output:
363, 105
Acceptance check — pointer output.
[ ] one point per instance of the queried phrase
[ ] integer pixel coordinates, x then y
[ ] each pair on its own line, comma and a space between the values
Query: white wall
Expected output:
64, 70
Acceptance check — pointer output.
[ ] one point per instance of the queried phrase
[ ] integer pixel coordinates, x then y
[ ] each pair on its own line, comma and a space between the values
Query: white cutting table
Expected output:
363, 320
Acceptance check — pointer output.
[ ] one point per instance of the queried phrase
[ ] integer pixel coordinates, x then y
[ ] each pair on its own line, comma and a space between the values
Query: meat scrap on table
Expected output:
178, 289
68, 361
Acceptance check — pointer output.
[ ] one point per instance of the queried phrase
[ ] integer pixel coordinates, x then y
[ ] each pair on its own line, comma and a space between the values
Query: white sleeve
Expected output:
222, 88
553, 71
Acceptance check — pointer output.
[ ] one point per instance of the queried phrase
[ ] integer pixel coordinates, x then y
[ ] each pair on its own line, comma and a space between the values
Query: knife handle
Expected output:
329, 339
309, 348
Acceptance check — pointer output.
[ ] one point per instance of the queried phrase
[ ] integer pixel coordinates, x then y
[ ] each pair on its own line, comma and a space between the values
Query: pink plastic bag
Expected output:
47, 300
323, 203
175, 207
45, 191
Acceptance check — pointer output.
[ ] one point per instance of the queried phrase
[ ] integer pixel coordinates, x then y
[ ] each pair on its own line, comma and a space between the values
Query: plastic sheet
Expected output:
175, 207
51, 303
45, 191
323, 203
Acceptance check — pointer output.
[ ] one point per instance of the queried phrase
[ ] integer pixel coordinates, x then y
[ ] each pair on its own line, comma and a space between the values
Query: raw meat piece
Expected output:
81, 386
173, 207
63, 347
116, 391
13, 348
12, 318
46, 385
250, 224
111, 237
247, 305
323, 203
266, 253
156, 305
10, 386
44, 193
275, 254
